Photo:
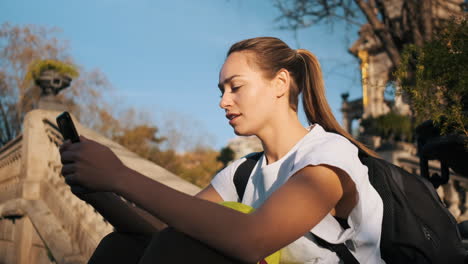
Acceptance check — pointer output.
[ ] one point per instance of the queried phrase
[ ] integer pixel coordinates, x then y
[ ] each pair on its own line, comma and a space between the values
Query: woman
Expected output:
307, 180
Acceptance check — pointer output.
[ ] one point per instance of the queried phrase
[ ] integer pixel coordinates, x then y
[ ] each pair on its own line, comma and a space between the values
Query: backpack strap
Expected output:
340, 249
241, 177
242, 174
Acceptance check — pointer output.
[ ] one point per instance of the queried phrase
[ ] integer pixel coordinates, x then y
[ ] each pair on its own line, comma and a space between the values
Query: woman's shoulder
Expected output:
320, 143
326, 148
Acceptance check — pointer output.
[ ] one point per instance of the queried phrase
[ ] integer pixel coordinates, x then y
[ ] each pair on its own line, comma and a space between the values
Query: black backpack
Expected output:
416, 227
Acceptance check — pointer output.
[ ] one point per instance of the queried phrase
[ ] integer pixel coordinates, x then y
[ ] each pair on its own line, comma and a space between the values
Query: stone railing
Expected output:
10, 168
454, 193
85, 226
33, 190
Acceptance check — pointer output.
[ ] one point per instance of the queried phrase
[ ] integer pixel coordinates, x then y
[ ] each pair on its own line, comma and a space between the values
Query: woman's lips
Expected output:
231, 122
232, 118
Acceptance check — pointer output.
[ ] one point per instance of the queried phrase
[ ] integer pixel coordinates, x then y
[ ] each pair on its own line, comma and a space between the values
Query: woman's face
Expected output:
247, 96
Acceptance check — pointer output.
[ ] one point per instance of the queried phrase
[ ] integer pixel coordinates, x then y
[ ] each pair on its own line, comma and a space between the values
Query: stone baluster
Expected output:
452, 198
441, 193
464, 216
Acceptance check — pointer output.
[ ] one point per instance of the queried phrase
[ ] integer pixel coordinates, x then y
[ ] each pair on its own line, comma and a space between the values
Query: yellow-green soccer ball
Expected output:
273, 258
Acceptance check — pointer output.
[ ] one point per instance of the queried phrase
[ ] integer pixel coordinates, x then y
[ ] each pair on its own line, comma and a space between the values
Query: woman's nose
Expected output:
226, 101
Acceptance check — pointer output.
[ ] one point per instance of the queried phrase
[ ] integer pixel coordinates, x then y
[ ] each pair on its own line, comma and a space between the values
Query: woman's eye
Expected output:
233, 90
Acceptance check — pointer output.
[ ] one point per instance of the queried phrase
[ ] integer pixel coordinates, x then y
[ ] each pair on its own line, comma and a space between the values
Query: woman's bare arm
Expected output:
127, 218
290, 212
122, 215
210, 194
294, 209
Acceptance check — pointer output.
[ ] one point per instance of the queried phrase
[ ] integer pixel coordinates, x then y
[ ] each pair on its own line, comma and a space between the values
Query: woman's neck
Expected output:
279, 138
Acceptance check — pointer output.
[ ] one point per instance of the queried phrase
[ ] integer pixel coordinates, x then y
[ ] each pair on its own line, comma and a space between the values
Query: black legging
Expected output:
167, 246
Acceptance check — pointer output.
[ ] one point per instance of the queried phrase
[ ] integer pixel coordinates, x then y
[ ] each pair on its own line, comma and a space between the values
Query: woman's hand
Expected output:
89, 166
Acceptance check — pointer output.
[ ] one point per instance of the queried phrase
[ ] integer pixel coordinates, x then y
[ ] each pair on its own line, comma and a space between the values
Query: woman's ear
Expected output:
281, 82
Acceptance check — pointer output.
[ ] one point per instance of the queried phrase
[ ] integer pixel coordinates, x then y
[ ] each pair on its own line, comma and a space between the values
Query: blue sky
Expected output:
164, 56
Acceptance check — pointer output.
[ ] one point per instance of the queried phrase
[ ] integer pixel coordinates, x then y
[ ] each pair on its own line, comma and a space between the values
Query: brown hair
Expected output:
272, 55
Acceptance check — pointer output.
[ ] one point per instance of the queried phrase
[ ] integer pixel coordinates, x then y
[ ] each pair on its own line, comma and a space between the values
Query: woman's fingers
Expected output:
90, 164
76, 188
68, 157
69, 146
68, 168
82, 162
79, 190
71, 179
64, 146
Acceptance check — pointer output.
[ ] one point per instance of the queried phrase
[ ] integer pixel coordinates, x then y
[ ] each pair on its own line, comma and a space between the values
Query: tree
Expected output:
394, 23
140, 139
26, 50
200, 165
390, 126
226, 155
20, 48
439, 86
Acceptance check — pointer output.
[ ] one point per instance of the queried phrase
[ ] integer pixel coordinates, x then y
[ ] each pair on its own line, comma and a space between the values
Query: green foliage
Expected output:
226, 155
389, 126
435, 76
36, 68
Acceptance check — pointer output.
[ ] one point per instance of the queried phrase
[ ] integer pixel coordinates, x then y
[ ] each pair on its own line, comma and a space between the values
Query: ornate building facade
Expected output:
376, 69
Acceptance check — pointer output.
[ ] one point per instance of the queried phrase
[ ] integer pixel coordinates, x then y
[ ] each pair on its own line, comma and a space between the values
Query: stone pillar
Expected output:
24, 240
347, 123
401, 106
440, 191
345, 113
7, 241
464, 216
452, 198
375, 84
35, 153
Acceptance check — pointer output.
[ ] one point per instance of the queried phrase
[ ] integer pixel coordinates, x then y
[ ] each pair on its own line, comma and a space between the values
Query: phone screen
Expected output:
67, 128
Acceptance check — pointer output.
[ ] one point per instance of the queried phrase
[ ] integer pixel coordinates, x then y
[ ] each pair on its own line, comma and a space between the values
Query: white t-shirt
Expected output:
317, 147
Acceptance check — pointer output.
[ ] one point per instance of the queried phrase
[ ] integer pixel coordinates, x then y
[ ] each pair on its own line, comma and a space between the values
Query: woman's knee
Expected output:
169, 235
111, 238
172, 246
122, 240
119, 247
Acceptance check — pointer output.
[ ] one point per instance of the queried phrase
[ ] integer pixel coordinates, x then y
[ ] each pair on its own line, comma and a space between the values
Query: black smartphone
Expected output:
67, 128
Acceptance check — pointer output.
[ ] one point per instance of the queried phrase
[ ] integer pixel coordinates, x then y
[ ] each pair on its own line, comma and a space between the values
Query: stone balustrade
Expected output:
454, 193
41, 221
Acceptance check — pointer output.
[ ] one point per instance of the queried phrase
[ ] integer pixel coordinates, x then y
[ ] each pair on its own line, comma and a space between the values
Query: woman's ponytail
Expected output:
315, 103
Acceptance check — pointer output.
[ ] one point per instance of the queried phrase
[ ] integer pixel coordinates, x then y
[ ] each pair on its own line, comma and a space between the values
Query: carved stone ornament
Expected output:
52, 82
